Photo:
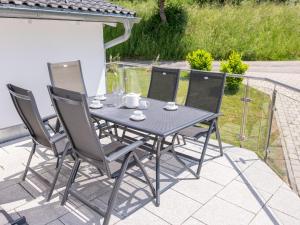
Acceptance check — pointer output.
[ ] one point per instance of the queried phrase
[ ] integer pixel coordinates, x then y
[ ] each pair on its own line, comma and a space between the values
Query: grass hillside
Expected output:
265, 31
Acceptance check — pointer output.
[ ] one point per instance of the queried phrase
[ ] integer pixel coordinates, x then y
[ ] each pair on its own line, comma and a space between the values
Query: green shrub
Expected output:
234, 65
200, 60
150, 37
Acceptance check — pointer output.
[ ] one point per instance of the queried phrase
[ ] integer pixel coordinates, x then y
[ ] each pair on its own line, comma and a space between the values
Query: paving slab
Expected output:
84, 215
200, 190
7, 216
55, 222
270, 216
287, 202
193, 221
218, 173
14, 196
245, 196
220, 212
144, 217
175, 208
264, 181
40, 212
236, 189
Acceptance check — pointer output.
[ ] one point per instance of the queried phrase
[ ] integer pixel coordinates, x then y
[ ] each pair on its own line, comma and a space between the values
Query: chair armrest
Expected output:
57, 137
49, 117
129, 148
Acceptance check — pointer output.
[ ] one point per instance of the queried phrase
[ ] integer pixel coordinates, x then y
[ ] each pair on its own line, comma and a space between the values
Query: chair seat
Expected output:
194, 132
61, 145
113, 147
115, 166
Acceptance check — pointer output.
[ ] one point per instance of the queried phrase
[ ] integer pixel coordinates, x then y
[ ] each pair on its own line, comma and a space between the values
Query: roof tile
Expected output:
98, 6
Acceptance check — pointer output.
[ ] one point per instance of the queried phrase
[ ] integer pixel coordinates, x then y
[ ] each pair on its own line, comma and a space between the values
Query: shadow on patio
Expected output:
237, 188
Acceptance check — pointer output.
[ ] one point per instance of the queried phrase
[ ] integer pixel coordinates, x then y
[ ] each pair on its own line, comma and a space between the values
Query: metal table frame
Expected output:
160, 137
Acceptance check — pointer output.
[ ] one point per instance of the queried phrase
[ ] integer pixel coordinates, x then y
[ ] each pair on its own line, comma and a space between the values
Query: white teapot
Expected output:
131, 100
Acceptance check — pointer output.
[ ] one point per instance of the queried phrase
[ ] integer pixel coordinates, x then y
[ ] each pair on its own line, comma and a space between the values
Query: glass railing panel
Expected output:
230, 122
257, 100
114, 78
137, 80
182, 87
246, 113
284, 145
275, 155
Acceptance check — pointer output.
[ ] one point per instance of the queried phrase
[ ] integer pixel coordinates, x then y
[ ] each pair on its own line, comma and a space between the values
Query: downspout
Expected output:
128, 24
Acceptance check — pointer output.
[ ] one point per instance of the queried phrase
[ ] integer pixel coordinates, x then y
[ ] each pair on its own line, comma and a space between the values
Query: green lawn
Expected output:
138, 80
265, 31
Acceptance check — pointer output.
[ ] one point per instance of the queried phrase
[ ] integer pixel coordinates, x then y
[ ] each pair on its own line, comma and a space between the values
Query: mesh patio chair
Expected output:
164, 84
163, 87
67, 75
26, 107
205, 92
112, 159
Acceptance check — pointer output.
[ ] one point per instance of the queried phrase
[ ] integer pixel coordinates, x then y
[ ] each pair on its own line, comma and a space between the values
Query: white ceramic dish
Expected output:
137, 118
171, 108
101, 98
96, 106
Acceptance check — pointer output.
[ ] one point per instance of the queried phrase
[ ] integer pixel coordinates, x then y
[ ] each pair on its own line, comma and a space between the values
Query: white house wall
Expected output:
27, 45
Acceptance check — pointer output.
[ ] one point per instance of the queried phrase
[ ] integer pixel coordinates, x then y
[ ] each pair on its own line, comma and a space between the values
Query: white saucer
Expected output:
137, 118
171, 109
96, 106
101, 98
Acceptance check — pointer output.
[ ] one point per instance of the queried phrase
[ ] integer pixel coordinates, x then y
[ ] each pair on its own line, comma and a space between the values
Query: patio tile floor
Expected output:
236, 189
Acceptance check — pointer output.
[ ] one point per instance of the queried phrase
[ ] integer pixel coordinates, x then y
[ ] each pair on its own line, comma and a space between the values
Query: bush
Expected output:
234, 65
200, 60
150, 37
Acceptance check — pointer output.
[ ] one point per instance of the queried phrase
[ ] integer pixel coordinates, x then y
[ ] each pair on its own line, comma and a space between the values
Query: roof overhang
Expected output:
24, 12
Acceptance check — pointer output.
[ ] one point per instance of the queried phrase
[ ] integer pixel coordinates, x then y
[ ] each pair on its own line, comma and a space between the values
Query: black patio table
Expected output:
159, 122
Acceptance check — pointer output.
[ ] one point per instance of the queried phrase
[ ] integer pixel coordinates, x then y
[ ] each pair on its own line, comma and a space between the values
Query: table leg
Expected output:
205, 146
157, 189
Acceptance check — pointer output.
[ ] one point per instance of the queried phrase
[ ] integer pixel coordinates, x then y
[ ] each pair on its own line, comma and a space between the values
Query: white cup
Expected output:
171, 105
96, 103
100, 97
144, 104
137, 113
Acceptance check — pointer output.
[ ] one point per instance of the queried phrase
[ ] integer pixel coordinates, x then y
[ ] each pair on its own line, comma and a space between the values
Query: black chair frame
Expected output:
164, 72
211, 123
101, 126
52, 140
123, 155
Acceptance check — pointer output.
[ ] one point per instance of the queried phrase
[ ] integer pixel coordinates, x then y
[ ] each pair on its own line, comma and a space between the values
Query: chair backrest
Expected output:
163, 84
206, 90
72, 110
67, 75
26, 107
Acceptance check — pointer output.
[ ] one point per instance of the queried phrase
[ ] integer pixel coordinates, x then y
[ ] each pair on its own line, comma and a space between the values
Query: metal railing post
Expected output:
272, 109
124, 79
246, 100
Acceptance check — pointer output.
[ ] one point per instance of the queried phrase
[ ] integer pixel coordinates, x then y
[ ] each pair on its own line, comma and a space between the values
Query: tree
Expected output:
162, 13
